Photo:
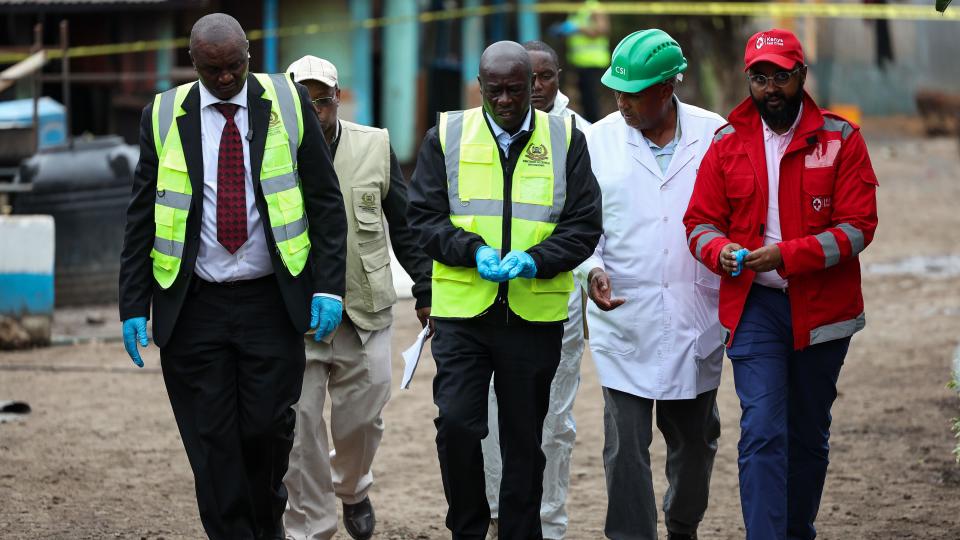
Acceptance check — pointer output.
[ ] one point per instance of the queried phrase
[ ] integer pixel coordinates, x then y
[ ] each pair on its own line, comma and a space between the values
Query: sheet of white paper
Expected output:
411, 357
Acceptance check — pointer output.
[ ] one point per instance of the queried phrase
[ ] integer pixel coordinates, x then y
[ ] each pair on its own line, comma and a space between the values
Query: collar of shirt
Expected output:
669, 147
335, 143
207, 99
782, 141
560, 104
504, 139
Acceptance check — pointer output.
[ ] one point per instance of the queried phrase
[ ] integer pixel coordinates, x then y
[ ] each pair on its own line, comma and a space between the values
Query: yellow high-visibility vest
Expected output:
278, 178
475, 186
584, 51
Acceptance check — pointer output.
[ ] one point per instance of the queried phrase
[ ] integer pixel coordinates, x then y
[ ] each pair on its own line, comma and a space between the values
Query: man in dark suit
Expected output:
236, 237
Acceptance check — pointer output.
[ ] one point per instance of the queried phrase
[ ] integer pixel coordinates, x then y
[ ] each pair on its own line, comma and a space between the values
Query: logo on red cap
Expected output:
769, 40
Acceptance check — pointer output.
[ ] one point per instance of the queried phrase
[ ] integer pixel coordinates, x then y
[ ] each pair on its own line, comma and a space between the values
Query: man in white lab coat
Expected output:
654, 331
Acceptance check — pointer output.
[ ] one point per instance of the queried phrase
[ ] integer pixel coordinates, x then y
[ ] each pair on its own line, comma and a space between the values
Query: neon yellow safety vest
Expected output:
278, 178
584, 51
475, 191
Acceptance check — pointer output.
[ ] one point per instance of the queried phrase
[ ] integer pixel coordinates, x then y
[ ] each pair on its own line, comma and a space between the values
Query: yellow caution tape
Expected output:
912, 12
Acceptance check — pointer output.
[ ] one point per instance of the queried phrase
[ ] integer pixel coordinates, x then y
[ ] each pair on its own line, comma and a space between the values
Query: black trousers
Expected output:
523, 359
233, 368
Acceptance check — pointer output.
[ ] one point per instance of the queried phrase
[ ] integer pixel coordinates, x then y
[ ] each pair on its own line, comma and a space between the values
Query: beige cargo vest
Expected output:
363, 167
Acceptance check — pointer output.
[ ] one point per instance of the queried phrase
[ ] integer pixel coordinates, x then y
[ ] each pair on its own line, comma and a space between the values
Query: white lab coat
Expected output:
665, 341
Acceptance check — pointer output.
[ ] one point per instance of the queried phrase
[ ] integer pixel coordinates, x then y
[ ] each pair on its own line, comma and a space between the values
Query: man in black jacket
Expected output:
215, 243
513, 179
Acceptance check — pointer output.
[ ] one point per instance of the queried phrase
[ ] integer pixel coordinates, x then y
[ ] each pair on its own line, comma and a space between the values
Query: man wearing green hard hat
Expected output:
654, 331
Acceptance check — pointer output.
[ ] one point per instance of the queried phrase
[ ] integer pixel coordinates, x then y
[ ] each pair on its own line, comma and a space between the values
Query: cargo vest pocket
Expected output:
375, 258
476, 171
367, 209
534, 190
817, 198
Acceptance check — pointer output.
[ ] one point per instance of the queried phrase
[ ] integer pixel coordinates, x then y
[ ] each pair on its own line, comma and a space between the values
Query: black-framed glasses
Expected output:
322, 101
780, 78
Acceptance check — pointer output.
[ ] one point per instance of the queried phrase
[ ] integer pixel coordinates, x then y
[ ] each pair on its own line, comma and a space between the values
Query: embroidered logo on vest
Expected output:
537, 153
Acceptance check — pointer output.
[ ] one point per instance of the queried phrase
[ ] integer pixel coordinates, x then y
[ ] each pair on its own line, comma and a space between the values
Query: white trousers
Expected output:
355, 367
559, 431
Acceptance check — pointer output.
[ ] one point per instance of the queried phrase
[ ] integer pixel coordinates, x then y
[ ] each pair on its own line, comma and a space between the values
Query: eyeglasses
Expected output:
322, 101
780, 78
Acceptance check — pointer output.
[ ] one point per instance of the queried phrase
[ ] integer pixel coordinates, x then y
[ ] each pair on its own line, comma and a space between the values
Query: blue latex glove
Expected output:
325, 315
740, 254
518, 264
134, 330
488, 264
563, 29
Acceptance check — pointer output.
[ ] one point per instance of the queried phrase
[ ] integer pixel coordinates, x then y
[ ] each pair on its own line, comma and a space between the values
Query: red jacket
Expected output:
828, 215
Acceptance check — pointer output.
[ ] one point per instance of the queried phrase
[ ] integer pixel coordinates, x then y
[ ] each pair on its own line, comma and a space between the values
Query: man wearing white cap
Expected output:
354, 361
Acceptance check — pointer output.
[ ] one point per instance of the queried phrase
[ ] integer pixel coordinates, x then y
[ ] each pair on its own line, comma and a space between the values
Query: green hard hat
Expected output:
642, 60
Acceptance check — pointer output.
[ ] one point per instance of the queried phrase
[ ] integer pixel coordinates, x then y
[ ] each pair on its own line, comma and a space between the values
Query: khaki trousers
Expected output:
355, 367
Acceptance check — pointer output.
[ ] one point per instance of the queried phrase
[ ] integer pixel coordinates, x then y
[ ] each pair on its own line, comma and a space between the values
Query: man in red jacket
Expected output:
792, 184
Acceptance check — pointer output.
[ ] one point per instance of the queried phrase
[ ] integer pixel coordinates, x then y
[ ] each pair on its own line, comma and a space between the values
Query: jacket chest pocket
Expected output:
817, 198
741, 192
367, 211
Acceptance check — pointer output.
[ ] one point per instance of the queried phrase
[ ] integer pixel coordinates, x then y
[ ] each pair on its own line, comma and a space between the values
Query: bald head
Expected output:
504, 56
219, 51
217, 28
505, 78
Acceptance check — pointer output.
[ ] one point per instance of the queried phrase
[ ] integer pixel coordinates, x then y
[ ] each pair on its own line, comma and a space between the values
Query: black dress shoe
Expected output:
359, 519
681, 536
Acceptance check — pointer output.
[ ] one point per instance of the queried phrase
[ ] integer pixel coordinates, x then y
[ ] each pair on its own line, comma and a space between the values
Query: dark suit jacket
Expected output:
324, 209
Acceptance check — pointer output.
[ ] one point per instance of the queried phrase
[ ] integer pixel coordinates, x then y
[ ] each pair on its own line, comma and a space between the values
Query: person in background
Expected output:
353, 364
588, 52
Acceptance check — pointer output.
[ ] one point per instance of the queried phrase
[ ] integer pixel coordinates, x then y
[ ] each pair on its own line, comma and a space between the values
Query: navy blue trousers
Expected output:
785, 399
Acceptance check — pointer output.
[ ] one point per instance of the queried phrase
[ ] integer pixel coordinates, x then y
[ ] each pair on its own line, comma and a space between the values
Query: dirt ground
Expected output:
100, 456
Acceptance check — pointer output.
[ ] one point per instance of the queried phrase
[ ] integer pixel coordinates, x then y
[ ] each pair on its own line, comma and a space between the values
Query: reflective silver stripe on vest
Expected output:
172, 199
287, 111
278, 183
855, 236
494, 207
558, 145
168, 247
282, 233
451, 158
838, 330
831, 251
165, 115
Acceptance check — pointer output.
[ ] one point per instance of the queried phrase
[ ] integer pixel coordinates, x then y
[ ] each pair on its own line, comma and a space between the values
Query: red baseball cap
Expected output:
777, 46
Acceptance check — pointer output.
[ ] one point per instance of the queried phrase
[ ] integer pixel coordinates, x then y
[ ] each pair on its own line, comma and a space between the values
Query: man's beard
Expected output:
782, 118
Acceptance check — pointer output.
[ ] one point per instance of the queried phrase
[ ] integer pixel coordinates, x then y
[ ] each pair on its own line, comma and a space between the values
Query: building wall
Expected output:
846, 69
332, 46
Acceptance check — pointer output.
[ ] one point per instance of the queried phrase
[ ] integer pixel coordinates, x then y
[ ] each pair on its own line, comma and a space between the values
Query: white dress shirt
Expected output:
503, 138
774, 146
214, 262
